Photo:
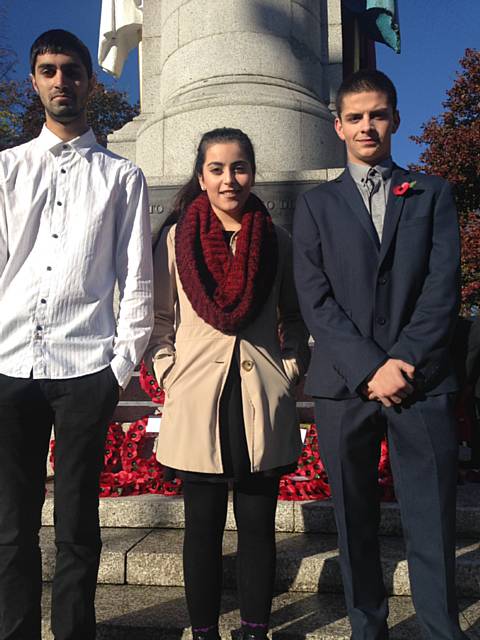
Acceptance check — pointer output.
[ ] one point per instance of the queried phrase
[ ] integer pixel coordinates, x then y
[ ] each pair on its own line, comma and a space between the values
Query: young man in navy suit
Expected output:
376, 256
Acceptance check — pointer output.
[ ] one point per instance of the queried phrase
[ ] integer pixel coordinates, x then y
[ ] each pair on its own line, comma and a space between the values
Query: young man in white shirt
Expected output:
73, 223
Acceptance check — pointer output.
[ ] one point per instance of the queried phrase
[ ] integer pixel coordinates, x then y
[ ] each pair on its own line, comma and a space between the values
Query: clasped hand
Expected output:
389, 384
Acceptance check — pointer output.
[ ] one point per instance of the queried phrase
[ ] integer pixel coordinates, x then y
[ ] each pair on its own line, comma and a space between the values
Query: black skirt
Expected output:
233, 441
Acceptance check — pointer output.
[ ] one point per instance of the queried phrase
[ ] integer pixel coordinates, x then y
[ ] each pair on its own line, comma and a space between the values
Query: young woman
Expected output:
228, 347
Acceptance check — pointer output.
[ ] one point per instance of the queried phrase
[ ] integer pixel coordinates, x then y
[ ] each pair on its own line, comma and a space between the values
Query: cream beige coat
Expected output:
191, 360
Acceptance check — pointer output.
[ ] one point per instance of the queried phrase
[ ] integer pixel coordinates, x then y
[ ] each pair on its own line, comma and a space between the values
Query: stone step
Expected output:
305, 562
159, 613
155, 511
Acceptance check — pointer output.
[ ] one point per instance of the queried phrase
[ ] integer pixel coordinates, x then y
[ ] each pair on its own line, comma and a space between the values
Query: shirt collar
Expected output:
359, 171
48, 141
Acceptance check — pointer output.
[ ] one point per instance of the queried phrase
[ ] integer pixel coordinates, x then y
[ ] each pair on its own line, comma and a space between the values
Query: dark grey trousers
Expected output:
423, 452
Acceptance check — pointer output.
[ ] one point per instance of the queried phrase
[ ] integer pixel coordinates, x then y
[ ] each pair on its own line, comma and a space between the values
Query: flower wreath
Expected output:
310, 480
136, 470
149, 384
131, 467
144, 472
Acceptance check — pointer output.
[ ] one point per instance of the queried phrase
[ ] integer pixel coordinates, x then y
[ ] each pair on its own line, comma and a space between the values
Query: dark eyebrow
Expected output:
374, 112
69, 65
221, 164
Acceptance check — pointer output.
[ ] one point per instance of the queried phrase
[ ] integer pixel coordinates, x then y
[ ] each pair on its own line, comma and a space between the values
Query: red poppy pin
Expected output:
402, 189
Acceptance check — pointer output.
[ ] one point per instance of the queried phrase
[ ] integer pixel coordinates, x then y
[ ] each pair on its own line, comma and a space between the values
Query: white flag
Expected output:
120, 32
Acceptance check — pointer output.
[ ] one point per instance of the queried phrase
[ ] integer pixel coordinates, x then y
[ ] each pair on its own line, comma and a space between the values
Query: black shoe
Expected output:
254, 634
209, 634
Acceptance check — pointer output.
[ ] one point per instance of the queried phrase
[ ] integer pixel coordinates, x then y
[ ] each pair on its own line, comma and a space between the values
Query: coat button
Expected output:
382, 280
247, 365
381, 320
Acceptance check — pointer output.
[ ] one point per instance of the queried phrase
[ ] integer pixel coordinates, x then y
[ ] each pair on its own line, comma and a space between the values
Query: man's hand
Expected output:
388, 384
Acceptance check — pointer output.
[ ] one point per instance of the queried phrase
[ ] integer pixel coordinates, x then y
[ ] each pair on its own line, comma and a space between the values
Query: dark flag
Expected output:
365, 22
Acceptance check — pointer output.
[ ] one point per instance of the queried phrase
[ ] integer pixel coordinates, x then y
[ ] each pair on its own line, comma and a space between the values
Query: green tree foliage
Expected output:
13, 102
452, 151
22, 114
108, 110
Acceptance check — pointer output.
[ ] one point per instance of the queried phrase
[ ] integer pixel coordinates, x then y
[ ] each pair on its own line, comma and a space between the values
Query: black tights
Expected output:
255, 502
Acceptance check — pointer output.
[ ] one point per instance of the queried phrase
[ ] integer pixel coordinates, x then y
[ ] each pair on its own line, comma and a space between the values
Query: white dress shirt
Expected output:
73, 222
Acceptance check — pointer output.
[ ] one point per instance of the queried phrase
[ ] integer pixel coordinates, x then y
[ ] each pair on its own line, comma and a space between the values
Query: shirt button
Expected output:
65, 146
43, 301
49, 268
54, 235
59, 203
381, 320
247, 365
39, 327
63, 171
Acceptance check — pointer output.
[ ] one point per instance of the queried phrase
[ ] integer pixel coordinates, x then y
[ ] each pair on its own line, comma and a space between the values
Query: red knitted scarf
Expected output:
226, 290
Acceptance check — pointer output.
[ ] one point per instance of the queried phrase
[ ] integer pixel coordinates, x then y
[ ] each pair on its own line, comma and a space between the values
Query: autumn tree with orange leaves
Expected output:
452, 151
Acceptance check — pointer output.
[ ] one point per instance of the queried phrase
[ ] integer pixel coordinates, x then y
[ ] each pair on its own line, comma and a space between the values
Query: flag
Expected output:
378, 19
120, 32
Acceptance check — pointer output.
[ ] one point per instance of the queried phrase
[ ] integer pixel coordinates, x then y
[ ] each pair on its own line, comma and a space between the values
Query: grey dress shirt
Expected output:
373, 184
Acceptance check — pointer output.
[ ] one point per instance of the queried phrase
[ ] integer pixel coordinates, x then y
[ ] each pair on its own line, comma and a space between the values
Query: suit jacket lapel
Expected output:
354, 200
395, 205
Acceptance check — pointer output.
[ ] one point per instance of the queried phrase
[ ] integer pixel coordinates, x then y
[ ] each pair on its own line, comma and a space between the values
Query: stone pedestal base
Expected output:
278, 191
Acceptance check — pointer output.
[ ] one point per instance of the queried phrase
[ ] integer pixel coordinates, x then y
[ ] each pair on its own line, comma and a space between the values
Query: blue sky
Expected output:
435, 34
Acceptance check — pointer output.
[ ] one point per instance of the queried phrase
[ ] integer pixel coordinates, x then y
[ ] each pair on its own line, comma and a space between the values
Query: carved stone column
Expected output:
269, 67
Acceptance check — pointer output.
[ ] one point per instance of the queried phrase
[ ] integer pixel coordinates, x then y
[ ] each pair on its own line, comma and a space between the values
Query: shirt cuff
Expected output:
122, 370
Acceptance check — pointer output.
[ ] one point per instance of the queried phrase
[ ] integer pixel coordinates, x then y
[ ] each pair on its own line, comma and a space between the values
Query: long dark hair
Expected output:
192, 188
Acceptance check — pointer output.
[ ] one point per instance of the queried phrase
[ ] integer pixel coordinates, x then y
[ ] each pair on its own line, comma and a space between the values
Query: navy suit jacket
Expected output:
363, 301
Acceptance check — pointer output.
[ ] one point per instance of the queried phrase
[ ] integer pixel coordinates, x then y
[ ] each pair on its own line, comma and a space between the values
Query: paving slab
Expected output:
317, 516
116, 544
305, 562
159, 613
159, 512
470, 617
314, 516
157, 559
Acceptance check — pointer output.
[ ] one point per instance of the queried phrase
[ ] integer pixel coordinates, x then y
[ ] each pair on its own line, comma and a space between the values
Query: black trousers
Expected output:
80, 409
423, 450
254, 502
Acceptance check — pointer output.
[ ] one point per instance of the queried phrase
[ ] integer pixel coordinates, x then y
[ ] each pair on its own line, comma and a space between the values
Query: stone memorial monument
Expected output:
269, 67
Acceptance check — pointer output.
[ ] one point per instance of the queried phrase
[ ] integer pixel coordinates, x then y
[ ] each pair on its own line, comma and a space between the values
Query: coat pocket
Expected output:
162, 367
413, 222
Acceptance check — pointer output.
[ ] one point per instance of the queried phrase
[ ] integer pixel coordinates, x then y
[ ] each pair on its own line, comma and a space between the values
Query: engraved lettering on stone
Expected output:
156, 208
